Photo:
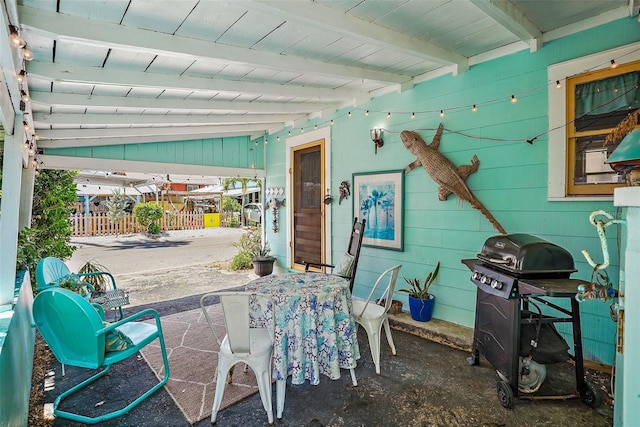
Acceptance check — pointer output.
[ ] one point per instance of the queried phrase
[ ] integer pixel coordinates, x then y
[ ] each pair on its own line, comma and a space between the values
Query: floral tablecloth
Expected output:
314, 330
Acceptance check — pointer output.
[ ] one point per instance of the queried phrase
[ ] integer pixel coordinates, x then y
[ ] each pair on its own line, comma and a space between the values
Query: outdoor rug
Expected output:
193, 359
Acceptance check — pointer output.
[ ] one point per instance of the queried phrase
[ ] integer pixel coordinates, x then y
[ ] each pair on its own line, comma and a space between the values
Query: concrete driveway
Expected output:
178, 264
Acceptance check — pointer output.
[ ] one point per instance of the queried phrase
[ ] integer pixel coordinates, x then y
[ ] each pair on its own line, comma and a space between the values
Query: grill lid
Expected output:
525, 255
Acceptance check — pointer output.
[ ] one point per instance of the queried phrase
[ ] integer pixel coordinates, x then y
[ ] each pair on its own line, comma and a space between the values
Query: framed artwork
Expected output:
378, 198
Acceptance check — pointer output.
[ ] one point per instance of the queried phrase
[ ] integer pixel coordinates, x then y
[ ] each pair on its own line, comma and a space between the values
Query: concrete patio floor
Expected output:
426, 384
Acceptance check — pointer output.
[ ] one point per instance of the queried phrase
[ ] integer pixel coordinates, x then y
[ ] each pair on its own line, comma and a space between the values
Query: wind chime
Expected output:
275, 204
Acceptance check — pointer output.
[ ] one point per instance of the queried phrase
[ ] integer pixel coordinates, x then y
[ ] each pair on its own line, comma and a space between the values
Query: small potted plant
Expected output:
420, 300
262, 260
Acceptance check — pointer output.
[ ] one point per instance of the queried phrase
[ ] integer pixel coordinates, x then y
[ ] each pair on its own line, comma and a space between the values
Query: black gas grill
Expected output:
518, 276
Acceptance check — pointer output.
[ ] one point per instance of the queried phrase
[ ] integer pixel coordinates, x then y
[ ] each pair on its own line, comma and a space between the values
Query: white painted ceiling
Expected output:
132, 71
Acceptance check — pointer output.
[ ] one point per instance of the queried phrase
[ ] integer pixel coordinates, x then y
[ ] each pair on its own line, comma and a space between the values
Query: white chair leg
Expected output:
280, 391
223, 369
387, 330
264, 386
353, 377
374, 345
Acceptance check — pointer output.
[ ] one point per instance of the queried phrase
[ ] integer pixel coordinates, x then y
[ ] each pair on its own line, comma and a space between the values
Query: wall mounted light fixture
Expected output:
376, 137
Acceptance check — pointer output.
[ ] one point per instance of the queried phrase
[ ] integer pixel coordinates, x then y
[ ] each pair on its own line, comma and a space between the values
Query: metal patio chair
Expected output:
50, 271
243, 343
373, 316
77, 335
348, 264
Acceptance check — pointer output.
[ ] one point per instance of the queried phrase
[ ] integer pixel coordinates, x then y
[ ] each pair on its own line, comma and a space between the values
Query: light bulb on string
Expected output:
349, 114
24, 96
514, 99
26, 53
21, 76
315, 126
366, 113
301, 130
413, 116
278, 138
331, 122
14, 37
25, 126
441, 113
614, 64
289, 133
389, 115
474, 108
558, 84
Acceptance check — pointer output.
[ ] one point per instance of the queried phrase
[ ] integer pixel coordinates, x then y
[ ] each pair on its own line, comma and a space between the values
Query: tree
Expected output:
230, 183
116, 205
54, 193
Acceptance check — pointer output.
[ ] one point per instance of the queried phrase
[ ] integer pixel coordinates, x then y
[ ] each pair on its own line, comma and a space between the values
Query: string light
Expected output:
513, 98
14, 37
278, 138
21, 76
25, 125
26, 53
24, 96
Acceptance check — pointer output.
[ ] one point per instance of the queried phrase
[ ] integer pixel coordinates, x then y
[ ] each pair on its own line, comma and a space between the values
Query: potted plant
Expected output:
420, 300
262, 260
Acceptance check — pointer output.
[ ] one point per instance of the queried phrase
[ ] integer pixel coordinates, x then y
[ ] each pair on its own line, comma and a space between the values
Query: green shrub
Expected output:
241, 261
234, 222
249, 244
148, 215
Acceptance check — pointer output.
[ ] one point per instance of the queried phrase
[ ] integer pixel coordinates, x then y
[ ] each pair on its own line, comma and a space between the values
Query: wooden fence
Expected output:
98, 224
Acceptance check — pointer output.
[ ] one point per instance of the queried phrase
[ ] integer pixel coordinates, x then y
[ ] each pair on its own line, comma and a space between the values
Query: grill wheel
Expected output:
505, 394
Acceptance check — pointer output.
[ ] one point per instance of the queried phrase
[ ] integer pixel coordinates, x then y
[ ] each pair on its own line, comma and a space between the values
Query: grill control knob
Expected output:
496, 284
476, 275
485, 280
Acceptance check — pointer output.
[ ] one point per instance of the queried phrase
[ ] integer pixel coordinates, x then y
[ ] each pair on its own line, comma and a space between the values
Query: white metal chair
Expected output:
242, 343
372, 316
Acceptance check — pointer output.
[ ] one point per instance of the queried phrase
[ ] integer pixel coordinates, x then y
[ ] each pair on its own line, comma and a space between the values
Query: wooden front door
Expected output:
308, 209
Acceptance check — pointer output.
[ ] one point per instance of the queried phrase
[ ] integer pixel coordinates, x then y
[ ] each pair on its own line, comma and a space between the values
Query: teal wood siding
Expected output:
235, 151
511, 181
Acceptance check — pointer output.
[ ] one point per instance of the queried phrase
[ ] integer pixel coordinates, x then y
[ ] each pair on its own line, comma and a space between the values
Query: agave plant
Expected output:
420, 289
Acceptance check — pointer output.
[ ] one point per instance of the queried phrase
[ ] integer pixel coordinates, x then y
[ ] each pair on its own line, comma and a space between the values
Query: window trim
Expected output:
557, 114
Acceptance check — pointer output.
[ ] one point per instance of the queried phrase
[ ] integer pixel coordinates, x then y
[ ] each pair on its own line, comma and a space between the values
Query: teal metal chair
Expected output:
50, 271
77, 335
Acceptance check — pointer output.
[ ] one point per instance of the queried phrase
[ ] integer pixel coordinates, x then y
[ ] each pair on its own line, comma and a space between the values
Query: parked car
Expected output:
253, 212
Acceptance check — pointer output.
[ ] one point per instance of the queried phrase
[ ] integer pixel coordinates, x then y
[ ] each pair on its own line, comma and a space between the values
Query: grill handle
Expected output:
494, 260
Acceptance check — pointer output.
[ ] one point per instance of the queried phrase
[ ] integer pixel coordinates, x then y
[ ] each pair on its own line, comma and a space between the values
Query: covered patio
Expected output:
429, 382
249, 89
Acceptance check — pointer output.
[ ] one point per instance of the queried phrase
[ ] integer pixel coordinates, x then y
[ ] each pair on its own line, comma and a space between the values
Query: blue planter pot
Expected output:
421, 309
